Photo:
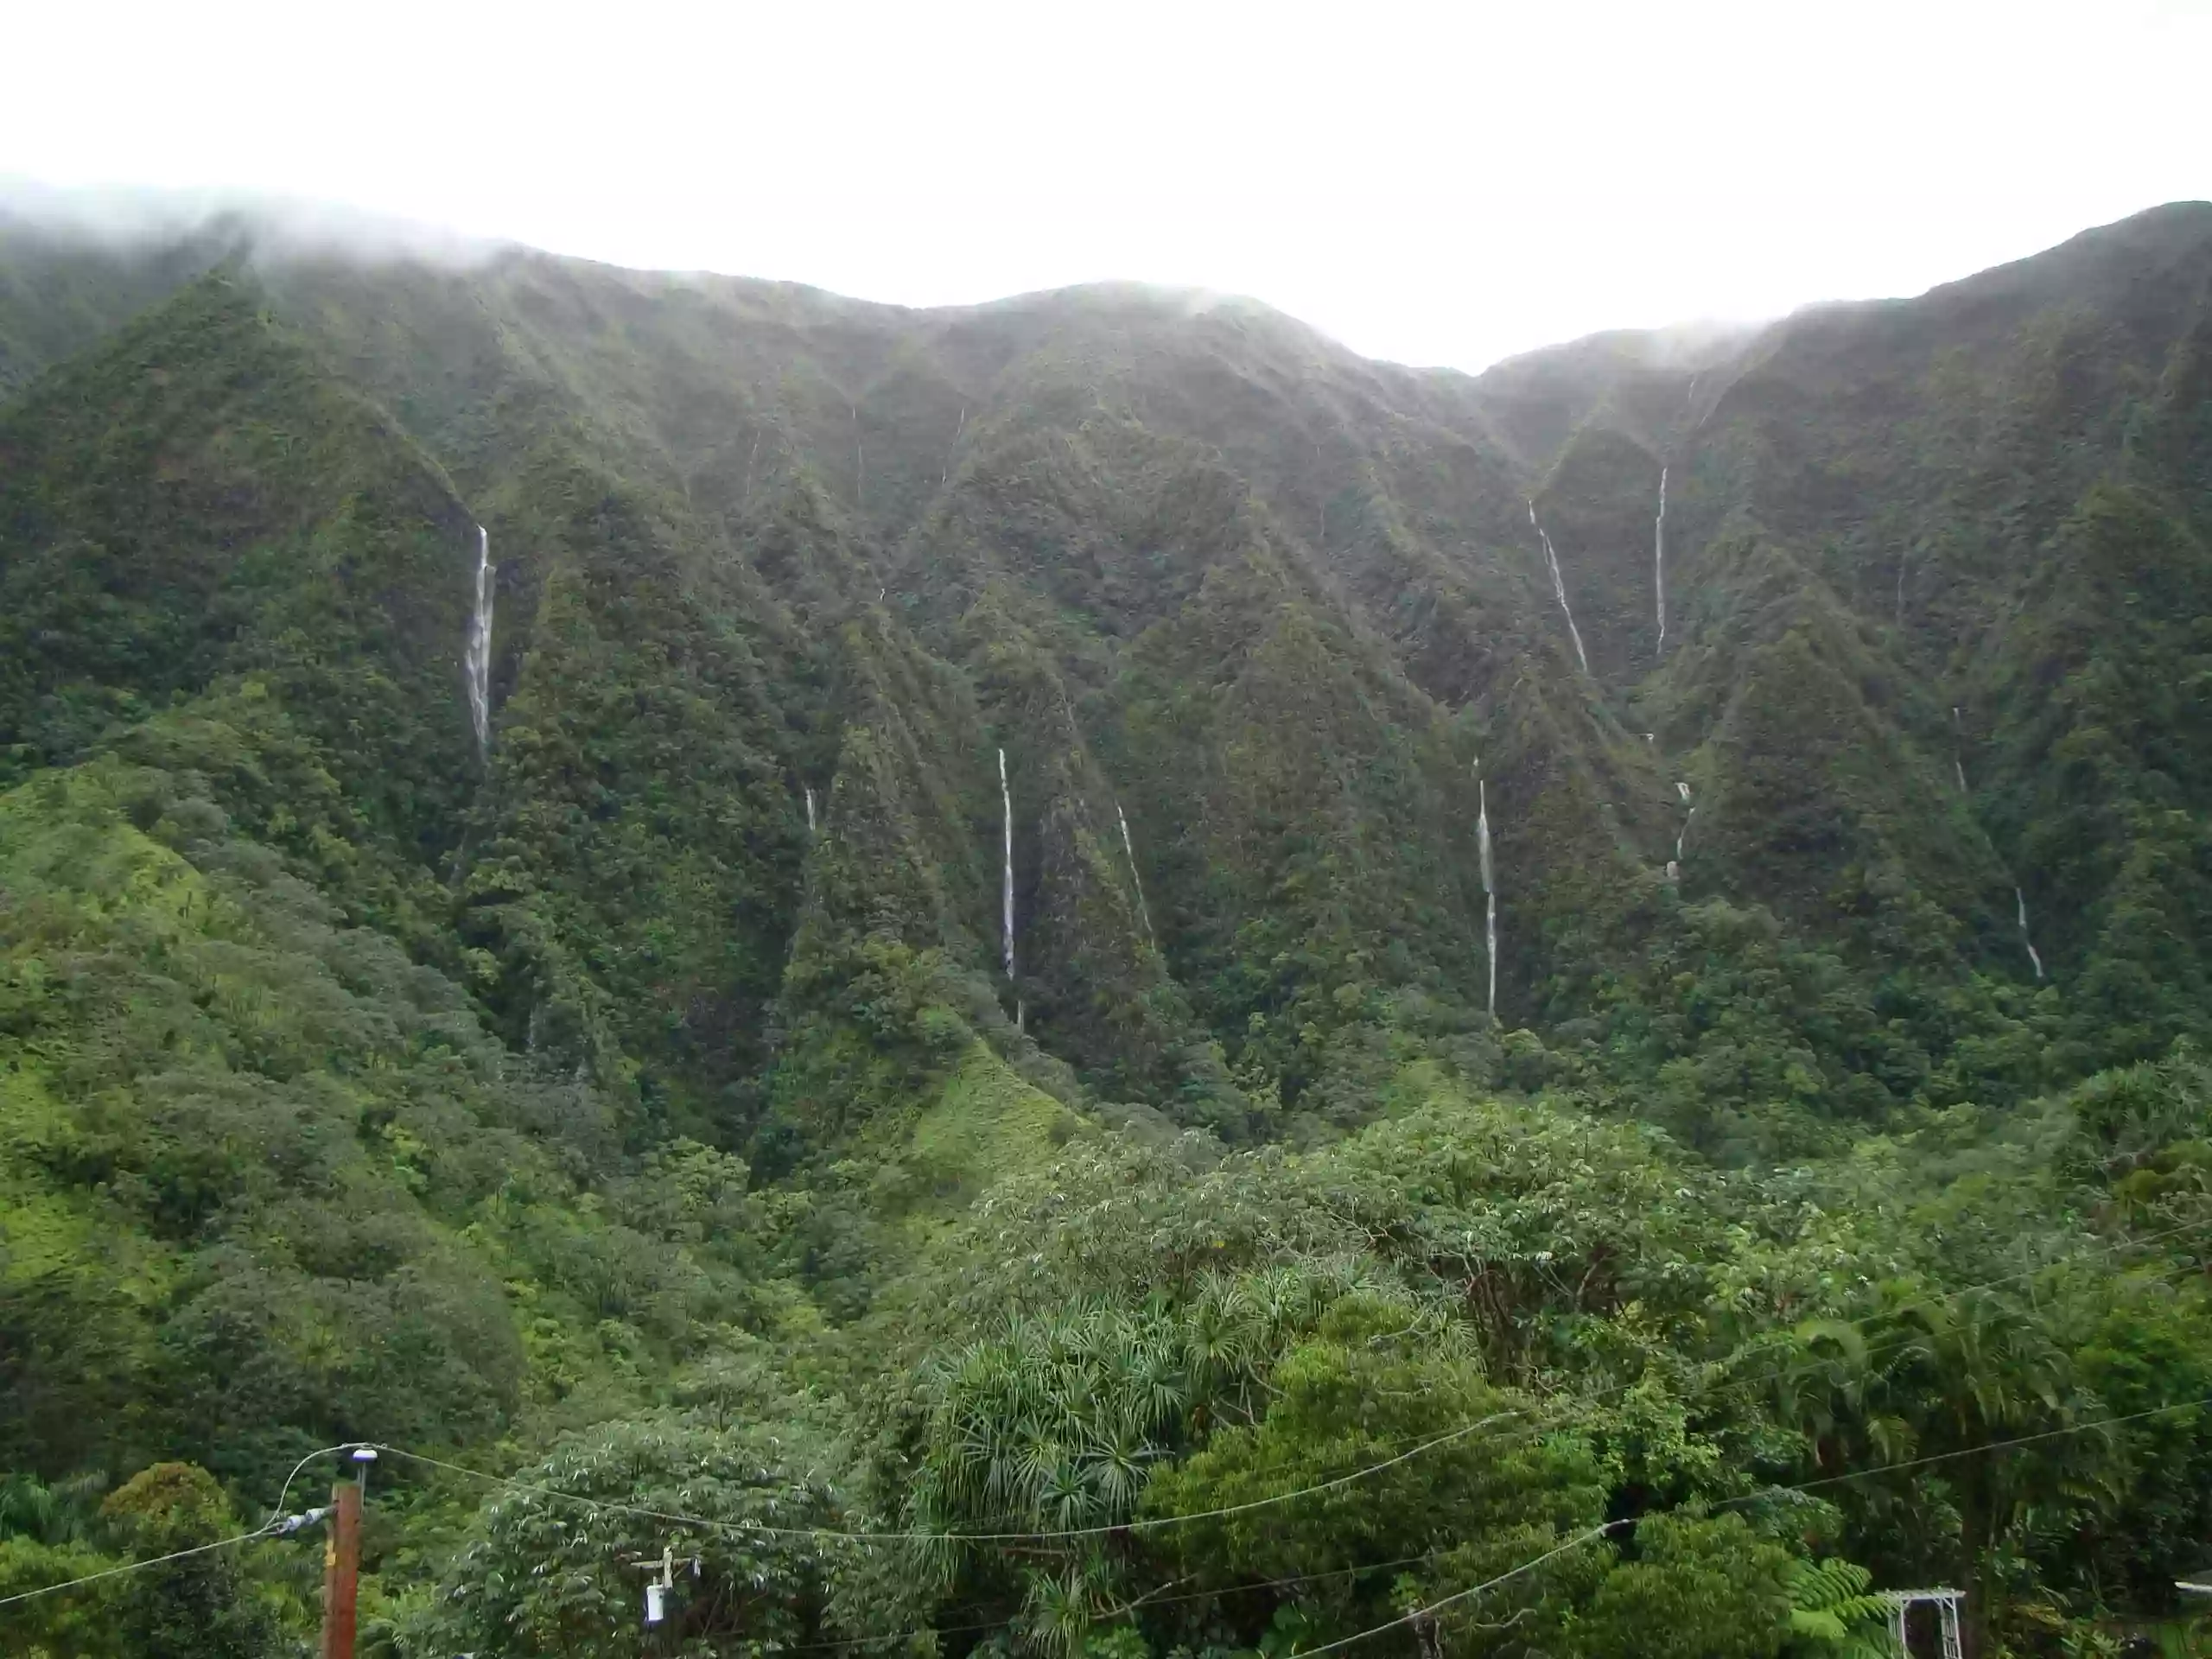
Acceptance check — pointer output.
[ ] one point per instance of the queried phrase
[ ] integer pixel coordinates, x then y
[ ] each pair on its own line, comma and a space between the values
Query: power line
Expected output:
285, 1491
1144, 1523
1151, 1524
1765, 1493
1595, 1533
1972, 1451
1418, 1613
1138, 1524
267, 1529
1127, 1607
133, 1566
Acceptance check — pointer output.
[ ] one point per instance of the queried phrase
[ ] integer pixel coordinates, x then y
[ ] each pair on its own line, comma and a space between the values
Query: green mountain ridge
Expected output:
658, 1066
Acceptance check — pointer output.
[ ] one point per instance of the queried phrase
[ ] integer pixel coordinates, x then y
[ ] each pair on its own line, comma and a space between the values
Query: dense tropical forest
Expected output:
1085, 979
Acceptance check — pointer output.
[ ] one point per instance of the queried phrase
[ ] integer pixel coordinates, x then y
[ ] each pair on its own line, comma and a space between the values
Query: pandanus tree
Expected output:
1054, 1428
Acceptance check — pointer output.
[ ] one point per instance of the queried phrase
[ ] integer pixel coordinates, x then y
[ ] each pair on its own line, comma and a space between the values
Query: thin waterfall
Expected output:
1684, 834
1006, 800
860, 462
1559, 588
809, 810
1958, 765
1659, 561
1682, 790
2020, 899
1490, 888
945, 472
1144, 914
479, 661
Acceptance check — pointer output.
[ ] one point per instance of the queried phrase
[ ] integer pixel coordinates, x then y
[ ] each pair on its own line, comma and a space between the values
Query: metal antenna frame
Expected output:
1947, 1602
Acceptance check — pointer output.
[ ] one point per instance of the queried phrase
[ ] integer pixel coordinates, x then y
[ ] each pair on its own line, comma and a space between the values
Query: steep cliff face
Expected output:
1197, 572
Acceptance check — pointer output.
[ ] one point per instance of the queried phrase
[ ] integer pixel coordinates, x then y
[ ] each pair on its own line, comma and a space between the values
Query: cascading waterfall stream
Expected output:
1659, 561
479, 660
810, 811
1144, 913
1558, 588
1681, 835
2021, 900
1006, 800
958, 433
1490, 888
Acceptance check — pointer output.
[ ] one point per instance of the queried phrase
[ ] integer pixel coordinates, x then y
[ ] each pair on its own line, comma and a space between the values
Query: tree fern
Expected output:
1834, 1612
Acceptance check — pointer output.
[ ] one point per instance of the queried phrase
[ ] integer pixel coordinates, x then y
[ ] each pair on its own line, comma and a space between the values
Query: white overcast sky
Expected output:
1442, 184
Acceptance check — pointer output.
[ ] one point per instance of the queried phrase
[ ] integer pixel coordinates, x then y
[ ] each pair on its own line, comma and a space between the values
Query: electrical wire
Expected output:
265, 1529
1129, 1607
1430, 1609
1150, 1523
1765, 1495
1420, 1613
285, 1491
1144, 1523
1971, 1450
133, 1566
1139, 1524
1595, 1533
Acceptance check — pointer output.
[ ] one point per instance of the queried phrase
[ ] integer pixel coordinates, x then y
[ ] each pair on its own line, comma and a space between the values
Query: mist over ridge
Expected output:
270, 226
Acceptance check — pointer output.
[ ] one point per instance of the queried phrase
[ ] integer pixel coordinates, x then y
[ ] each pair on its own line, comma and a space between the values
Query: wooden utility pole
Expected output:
341, 1570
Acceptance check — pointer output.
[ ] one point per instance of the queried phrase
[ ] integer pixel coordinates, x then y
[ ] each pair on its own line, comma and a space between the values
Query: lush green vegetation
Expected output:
633, 1128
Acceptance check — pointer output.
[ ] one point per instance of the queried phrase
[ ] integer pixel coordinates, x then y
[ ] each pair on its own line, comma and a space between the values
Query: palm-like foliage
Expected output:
1054, 1425
1051, 1426
60, 1513
1949, 1384
1834, 1609
1058, 1607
